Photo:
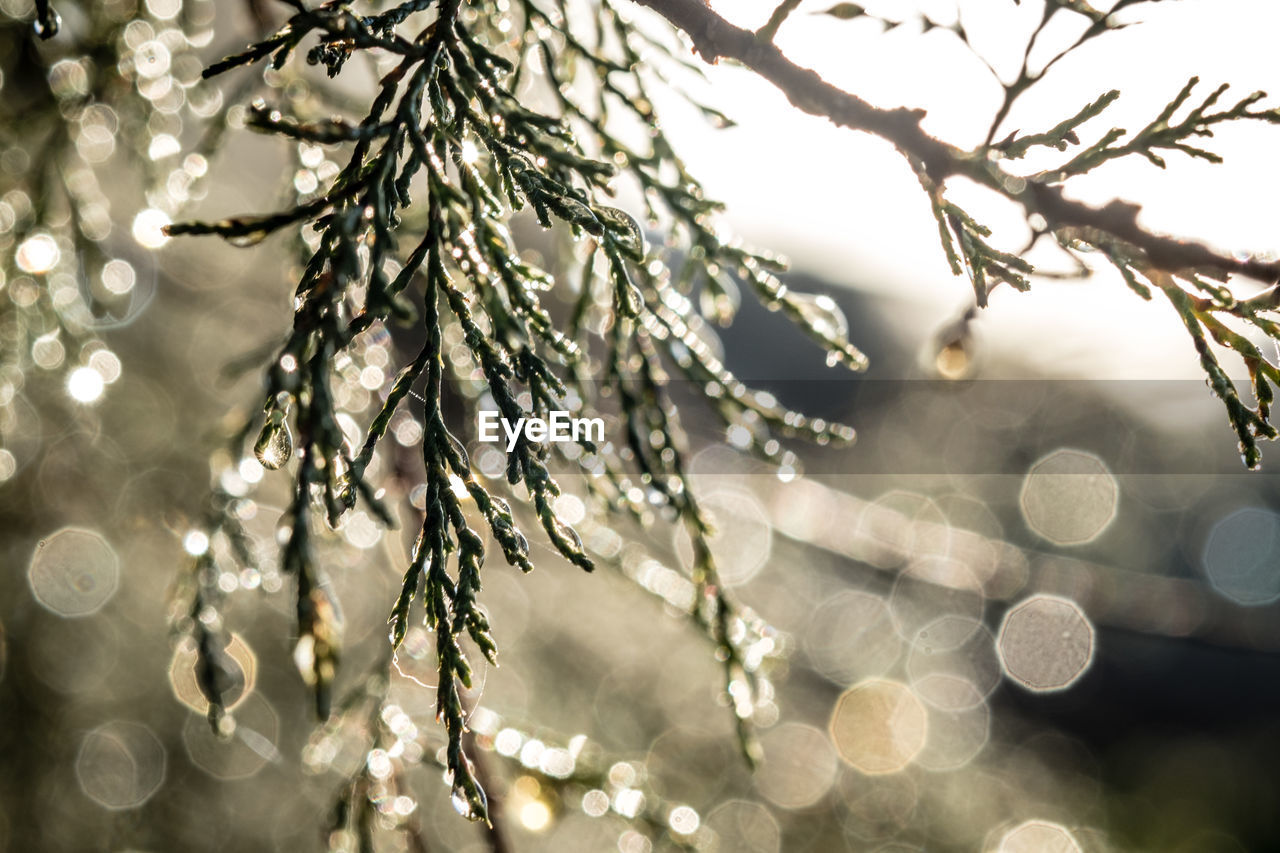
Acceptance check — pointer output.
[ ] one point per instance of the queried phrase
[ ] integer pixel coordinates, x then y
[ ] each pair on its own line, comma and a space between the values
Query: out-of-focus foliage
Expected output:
112, 86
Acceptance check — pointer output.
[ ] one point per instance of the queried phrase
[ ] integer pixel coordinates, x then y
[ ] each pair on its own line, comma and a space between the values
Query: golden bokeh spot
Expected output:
186, 686
879, 726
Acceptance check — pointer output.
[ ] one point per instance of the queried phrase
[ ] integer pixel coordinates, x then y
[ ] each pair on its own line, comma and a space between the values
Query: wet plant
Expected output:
483, 122
416, 229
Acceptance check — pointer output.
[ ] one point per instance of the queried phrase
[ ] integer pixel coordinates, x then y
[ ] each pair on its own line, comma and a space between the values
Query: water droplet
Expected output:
954, 359
626, 230
245, 241
821, 314
569, 533
274, 445
47, 22
1251, 456
304, 658
470, 809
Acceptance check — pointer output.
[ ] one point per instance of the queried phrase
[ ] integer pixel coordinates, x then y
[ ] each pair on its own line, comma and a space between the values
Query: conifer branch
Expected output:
1114, 229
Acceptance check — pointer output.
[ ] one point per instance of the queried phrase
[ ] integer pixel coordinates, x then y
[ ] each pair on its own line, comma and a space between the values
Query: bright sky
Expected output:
845, 205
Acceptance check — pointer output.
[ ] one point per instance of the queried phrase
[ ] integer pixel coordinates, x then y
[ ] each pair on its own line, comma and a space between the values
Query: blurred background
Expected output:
1032, 609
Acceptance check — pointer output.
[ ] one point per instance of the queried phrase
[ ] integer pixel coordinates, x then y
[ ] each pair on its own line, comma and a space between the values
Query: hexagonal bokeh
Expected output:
186, 686
120, 765
799, 766
73, 572
1045, 643
1240, 556
1069, 497
879, 726
1038, 836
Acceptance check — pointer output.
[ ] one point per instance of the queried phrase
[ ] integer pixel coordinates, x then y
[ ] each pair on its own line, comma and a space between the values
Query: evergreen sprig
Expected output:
1145, 261
459, 117
1162, 133
446, 123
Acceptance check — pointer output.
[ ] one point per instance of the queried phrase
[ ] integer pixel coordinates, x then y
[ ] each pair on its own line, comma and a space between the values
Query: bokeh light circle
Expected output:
148, 228
852, 635
120, 765
1241, 554
1069, 497
899, 525
876, 808
251, 746
931, 587
85, 385
879, 726
953, 646
185, 683
799, 766
743, 537
1038, 836
74, 657
37, 254
741, 826
1046, 643
959, 722
674, 751
73, 572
